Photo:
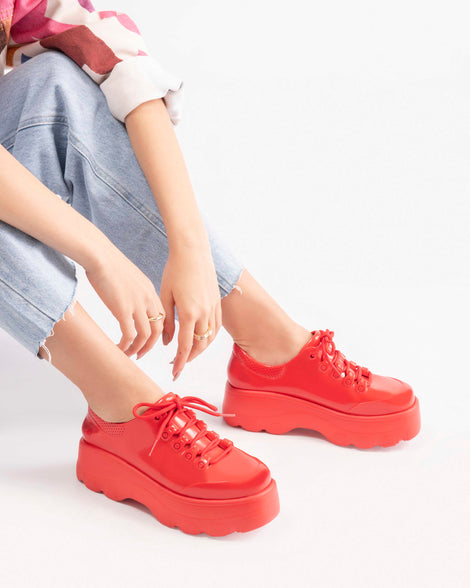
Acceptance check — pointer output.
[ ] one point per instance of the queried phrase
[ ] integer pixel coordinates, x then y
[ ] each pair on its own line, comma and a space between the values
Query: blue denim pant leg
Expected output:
37, 283
59, 126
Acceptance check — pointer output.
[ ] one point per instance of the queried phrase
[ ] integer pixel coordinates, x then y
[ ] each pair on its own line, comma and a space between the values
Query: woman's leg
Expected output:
259, 325
111, 382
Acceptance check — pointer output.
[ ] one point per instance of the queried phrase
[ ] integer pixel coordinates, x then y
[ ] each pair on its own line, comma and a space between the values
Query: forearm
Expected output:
157, 150
27, 204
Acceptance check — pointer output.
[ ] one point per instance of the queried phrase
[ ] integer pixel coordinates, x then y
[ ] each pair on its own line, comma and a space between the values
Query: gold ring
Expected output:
156, 318
204, 335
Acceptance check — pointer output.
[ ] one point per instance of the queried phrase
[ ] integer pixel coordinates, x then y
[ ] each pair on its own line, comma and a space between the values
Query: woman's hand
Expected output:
131, 296
189, 282
189, 279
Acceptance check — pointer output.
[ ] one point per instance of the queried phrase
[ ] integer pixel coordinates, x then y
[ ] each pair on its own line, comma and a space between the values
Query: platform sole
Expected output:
279, 413
102, 471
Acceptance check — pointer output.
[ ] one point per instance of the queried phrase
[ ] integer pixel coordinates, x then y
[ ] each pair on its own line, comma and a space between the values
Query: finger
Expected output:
218, 316
199, 345
213, 324
169, 321
185, 343
142, 325
128, 332
157, 328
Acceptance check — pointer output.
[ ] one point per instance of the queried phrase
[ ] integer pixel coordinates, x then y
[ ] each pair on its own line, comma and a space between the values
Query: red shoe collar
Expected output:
329, 355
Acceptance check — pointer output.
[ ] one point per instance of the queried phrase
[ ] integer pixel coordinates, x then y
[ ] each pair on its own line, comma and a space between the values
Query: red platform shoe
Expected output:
187, 476
320, 389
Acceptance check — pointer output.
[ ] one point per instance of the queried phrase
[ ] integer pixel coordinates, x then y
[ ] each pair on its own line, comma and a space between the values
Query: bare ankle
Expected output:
122, 411
280, 347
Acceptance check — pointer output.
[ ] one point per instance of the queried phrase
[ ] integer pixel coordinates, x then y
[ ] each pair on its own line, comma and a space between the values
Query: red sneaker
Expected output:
320, 389
186, 475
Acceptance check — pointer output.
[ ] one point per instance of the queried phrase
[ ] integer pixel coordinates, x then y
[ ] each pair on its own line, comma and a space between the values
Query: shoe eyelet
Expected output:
347, 381
176, 445
202, 463
323, 367
165, 436
188, 456
360, 388
312, 356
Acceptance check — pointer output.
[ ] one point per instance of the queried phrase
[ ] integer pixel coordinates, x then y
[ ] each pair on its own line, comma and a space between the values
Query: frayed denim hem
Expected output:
229, 286
70, 307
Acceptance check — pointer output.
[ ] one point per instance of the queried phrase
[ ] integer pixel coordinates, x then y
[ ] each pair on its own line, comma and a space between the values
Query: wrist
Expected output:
186, 240
96, 251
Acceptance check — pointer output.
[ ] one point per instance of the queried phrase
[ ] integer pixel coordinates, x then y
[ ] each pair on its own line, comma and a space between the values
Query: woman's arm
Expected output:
27, 204
157, 150
189, 281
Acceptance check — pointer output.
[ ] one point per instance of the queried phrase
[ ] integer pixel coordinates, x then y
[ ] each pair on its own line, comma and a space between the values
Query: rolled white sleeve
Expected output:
106, 44
138, 79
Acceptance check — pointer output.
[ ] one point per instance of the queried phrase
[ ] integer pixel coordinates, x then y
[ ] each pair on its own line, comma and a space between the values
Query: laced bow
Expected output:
173, 405
352, 371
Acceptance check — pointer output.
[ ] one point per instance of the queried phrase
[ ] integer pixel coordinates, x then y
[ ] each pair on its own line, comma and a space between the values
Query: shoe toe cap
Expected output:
235, 476
385, 395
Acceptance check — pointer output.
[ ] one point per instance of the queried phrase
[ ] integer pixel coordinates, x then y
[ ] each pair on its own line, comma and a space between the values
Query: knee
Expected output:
56, 70
57, 86
53, 64
41, 86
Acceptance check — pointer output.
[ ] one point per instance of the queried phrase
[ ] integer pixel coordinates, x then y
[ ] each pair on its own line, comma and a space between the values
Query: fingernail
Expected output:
165, 337
172, 361
177, 375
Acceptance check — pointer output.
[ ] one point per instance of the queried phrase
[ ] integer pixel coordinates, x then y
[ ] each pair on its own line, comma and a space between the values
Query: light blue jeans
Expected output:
55, 120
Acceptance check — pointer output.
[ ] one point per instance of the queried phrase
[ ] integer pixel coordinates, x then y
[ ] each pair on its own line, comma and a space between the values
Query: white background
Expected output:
329, 141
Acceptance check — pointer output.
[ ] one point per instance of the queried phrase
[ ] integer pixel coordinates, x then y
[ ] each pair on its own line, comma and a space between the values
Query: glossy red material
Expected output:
185, 474
321, 390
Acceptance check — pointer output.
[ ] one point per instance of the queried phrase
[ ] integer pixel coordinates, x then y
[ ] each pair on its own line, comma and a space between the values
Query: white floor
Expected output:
343, 183
380, 517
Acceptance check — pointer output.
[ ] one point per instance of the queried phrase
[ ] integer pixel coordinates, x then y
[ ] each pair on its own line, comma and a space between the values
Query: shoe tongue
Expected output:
157, 405
181, 418
315, 334
328, 351
168, 396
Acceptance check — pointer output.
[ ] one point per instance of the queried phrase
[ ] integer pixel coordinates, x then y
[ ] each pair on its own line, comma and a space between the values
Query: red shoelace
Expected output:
353, 373
175, 405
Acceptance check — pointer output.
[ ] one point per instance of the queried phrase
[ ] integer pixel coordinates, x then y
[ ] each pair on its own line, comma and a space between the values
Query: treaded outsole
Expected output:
277, 414
103, 472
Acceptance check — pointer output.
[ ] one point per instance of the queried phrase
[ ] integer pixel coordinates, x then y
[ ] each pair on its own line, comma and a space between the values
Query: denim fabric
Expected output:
60, 127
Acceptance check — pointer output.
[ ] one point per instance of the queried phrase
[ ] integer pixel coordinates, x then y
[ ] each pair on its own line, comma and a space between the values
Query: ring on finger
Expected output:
156, 318
205, 335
